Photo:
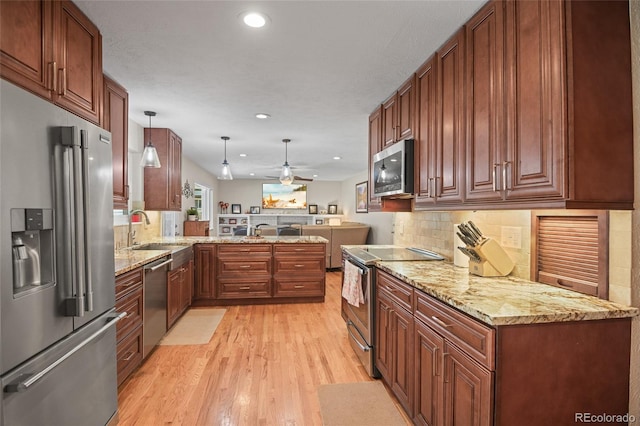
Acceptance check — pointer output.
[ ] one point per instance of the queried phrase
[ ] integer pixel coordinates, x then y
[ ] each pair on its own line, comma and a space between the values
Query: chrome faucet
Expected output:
131, 233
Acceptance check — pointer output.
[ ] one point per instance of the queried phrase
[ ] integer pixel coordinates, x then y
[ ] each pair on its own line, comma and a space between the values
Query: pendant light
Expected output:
286, 176
150, 154
225, 174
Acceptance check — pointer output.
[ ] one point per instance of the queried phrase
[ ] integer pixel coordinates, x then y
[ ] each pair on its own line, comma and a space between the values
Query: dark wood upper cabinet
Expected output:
398, 113
484, 102
53, 50
163, 186
375, 146
425, 144
450, 120
116, 119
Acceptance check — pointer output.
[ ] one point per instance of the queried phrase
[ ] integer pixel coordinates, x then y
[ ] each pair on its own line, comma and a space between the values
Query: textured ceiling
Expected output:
319, 68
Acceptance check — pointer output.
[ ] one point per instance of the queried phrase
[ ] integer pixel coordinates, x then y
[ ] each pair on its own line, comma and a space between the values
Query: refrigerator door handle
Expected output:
26, 380
86, 240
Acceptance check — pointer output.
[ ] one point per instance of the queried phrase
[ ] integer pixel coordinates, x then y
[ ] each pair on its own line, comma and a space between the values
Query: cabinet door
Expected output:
174, 279
536, 94
402, 357
78, 56
116, 119
175, 172
467, 390
383, 333
389, 120
26, 45
450, 128
375, 146
485, 103
428, 362
425, 133
406, 109
205, 271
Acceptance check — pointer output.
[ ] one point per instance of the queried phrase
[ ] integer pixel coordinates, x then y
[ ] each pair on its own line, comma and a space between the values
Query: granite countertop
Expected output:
127, 259
503, 300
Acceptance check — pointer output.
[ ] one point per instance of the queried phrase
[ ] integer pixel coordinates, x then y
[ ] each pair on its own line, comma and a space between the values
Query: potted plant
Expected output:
192, 213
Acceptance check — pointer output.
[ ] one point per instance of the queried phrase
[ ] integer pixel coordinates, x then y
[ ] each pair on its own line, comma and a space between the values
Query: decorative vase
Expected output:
192, 217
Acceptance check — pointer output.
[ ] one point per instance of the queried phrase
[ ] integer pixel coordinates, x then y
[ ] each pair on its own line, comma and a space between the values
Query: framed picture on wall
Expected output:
254, 209
362, 196
313, 209
236, 209
225, 229
233, 221
333, 209
319, 222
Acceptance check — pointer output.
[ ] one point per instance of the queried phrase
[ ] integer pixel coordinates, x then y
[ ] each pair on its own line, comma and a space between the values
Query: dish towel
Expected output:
351, 289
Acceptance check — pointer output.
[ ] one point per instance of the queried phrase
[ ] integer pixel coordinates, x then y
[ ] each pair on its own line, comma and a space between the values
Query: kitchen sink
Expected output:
179, 254
159, 246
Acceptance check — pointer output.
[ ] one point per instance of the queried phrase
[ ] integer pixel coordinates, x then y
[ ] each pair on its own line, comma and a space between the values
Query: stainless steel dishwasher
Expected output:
155, 303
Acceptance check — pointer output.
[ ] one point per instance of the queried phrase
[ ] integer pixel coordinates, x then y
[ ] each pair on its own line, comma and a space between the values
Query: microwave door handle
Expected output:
86, 237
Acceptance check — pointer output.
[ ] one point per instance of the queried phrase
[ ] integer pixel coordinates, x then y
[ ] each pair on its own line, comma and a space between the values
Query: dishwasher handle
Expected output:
154, 267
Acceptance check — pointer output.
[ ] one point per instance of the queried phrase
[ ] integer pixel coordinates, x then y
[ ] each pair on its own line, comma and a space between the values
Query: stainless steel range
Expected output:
358, 295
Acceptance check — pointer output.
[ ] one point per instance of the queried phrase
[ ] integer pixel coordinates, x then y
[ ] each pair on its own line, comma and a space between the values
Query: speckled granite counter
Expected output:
128, 259
503, 301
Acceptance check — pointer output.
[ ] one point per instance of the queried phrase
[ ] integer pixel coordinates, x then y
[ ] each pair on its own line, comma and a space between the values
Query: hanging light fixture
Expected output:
226, 168
286, 176
150, 155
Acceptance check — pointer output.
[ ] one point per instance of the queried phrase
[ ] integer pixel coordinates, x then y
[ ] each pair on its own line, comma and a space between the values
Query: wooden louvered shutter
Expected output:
571, 250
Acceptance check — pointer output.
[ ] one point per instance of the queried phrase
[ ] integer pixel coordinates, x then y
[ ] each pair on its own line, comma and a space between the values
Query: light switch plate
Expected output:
511, 236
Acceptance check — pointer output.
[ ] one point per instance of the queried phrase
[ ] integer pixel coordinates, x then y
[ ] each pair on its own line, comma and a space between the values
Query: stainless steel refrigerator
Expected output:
57, 316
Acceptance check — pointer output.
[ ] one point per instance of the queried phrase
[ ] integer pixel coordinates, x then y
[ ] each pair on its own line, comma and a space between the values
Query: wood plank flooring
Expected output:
262, 367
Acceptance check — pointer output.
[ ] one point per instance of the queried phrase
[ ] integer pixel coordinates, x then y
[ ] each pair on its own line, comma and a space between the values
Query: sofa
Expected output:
347, 233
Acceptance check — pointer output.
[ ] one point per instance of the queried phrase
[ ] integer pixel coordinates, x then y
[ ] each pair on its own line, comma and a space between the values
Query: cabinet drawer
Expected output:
244, 289
299, 287
129, 354
400, 292
304, 265
477, 339
128, 282
243, 249
300, 248
244, 266
132, 304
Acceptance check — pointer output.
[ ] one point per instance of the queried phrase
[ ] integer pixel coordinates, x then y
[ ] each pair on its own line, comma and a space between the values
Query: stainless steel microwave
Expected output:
393, 170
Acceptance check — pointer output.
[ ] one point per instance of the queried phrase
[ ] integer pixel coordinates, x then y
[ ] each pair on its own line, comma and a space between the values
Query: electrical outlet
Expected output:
511, 236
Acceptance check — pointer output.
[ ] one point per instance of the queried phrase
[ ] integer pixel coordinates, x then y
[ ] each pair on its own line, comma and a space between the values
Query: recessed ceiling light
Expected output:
262, 115
252, 174
315, 175
255, 19
393, 160
243, 155
337, 158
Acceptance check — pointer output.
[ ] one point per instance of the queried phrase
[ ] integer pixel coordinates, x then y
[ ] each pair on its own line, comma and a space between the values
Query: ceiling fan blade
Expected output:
302, 178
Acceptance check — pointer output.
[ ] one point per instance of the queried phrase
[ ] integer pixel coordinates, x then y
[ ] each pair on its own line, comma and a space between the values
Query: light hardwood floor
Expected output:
262, 367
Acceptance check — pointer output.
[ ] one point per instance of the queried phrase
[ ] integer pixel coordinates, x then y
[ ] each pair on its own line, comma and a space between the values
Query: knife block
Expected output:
495, 262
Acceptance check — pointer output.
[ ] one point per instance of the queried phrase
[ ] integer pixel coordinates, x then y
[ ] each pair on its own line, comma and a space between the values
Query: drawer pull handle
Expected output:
245, 266
299, 266
245, 287
440, 322
391, 289
128, 356
564, 284
298, 286
298, 249
129, 315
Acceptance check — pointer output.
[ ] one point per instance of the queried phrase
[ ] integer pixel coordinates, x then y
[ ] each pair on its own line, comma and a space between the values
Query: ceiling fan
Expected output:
286, 176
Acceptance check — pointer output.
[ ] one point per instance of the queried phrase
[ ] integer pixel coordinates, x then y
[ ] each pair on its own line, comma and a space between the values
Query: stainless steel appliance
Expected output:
57, 317
361, 319
393, 170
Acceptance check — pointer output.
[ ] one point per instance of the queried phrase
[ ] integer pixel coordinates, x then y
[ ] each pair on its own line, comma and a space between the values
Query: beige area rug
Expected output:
194, 328
356, 404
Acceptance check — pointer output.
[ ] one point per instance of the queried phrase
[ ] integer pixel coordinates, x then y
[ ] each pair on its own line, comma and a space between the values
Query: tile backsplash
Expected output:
435, 231
142, 230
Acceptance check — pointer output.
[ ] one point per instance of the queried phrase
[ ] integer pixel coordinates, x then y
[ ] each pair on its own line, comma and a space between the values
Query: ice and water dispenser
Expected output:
33, 249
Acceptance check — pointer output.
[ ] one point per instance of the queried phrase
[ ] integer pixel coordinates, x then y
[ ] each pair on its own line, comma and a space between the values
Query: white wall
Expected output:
381, 223
248, 192
195, 174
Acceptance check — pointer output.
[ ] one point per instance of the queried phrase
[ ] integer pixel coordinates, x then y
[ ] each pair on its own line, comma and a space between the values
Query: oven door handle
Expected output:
350, 324
361, 270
